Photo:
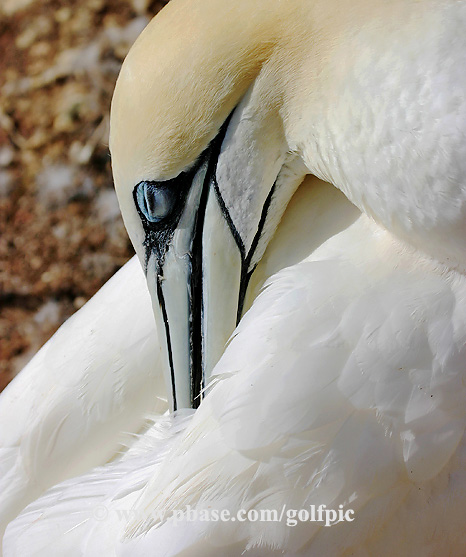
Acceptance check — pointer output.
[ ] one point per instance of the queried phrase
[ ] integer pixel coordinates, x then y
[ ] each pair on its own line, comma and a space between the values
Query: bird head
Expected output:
198, 148
221, 109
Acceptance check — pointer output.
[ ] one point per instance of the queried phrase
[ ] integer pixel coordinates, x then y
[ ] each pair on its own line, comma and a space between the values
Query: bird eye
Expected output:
155, 201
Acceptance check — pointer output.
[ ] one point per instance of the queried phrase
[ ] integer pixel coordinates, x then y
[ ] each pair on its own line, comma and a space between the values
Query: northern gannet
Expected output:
344, 383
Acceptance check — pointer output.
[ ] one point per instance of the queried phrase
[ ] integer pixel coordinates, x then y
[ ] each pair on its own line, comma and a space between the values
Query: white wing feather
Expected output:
73, 405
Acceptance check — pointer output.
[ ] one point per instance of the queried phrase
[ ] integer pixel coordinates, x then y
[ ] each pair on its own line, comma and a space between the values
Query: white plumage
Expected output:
344, 383
74, 404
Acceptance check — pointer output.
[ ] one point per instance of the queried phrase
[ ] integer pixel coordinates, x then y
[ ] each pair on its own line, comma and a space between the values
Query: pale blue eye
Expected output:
155, 201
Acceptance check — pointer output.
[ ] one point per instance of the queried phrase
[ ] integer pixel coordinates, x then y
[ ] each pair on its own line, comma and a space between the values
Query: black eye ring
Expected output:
155, 201
160, 204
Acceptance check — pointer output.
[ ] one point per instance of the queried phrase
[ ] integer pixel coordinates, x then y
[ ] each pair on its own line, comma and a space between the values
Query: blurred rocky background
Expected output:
61, 234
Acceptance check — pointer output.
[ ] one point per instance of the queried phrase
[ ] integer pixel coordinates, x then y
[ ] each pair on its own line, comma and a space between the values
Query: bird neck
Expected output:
384, 121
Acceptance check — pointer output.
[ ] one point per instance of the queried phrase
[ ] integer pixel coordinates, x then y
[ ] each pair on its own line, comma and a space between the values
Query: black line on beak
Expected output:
161, 300
246, 270
158, 238
196, 301
246, 258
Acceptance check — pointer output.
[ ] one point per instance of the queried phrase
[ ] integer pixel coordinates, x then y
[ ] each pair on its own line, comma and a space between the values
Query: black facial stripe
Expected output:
195, 299
197, 307
227, 217
246, 272
246, 258
167, 334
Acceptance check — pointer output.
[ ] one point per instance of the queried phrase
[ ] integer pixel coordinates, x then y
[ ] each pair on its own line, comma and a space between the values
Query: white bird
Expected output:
344, 383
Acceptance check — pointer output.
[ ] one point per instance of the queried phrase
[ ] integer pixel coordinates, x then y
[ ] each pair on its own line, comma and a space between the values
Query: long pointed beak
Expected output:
197, 286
